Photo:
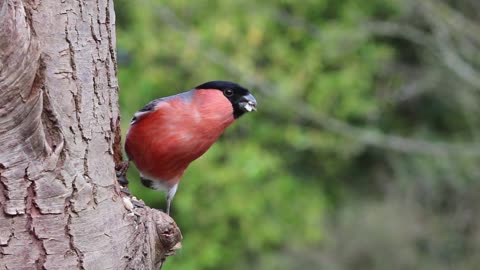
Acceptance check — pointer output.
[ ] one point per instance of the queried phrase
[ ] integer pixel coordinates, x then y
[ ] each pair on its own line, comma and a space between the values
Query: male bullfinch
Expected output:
169, 133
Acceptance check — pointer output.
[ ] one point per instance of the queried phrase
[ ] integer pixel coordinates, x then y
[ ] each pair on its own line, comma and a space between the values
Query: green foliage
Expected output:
264, 181
331, 88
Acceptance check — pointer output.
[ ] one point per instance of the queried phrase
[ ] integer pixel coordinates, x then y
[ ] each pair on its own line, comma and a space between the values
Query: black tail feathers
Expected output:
147, 182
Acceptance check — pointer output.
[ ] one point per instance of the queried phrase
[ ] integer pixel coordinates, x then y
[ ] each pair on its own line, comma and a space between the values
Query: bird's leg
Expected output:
170, 194
121, 170
169, 201
122, 167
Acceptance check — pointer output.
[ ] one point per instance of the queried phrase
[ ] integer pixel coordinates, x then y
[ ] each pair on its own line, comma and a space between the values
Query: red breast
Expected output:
179, 130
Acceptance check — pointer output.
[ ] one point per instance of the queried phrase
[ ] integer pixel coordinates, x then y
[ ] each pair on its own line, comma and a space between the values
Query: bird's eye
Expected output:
228, 92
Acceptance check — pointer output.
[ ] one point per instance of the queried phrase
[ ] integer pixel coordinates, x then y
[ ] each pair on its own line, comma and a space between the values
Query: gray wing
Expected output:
150, 107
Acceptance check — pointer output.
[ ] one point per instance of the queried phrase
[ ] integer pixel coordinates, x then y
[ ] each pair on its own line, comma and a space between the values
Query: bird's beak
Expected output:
248, 103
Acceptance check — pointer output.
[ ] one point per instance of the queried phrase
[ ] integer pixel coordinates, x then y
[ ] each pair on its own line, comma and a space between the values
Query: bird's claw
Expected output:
126, 191
122, 179
138, 204
121, 170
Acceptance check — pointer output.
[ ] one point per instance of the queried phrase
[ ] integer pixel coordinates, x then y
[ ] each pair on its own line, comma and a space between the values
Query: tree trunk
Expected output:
59, 141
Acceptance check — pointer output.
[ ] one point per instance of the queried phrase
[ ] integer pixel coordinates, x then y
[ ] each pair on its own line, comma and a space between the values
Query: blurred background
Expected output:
365, 150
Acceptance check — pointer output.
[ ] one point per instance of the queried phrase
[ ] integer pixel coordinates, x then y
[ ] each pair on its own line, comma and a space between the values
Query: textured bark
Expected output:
60, 207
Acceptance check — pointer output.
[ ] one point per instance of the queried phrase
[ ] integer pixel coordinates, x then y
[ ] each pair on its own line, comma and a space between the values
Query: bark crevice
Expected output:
31, 211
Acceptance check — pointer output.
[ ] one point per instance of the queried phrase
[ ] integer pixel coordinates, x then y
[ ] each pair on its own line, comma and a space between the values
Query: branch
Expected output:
446, 25
156, 236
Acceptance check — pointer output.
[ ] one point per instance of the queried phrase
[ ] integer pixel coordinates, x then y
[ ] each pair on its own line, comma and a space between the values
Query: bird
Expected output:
168, 133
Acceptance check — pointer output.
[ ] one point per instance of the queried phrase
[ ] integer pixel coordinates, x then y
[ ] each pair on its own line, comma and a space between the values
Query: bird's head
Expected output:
241, 99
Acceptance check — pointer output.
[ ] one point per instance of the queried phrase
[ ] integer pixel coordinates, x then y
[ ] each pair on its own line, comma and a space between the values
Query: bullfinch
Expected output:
167, 134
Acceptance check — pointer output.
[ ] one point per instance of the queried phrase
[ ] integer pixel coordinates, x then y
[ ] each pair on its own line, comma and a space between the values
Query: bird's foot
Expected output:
121, 170
125, 190
122, 167
138, 203
122, 179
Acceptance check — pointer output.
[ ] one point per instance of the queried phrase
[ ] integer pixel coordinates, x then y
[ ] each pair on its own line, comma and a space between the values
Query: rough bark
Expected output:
60, 206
